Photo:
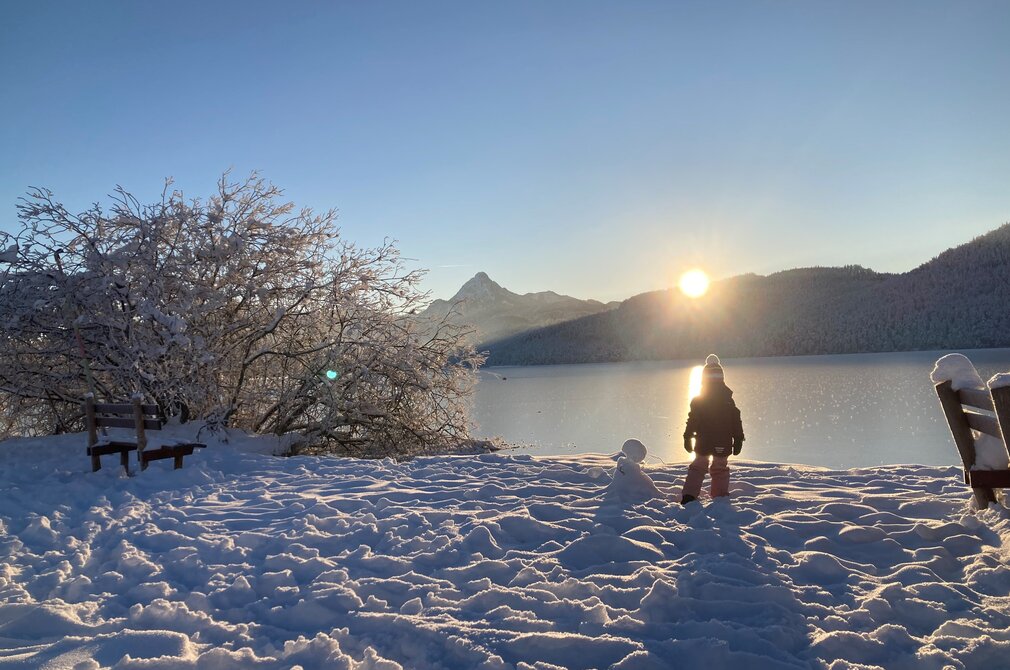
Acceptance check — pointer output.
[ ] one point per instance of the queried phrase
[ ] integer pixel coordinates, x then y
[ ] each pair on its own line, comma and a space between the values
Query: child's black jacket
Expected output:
714, 421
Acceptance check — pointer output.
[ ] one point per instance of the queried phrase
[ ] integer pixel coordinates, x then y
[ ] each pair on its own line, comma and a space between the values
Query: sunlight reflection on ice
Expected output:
694, 385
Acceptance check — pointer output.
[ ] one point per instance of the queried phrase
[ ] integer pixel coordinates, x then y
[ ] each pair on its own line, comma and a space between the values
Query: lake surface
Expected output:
848, 411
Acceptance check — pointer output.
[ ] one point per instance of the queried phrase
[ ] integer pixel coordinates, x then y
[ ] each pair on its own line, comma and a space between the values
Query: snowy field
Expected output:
244, 560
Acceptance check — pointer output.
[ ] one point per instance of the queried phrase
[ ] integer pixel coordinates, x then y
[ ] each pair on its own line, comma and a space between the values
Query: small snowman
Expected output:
630, 482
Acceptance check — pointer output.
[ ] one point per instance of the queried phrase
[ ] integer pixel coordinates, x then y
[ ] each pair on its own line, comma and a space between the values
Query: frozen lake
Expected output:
837, 411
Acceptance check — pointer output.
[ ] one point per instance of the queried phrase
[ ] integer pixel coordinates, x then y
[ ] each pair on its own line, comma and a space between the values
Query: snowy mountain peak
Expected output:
480, 287
495, 312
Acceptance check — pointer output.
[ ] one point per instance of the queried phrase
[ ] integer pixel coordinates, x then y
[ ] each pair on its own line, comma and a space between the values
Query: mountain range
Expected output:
495, 312
958, 300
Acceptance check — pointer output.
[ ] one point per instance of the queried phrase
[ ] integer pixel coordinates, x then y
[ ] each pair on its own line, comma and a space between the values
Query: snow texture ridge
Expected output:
244, 560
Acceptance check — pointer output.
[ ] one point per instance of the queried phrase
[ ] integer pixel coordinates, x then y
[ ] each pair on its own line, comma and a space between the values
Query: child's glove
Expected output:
737, 446
688, 447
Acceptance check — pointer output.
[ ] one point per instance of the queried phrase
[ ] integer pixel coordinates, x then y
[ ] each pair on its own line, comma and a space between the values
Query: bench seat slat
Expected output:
116, 422
123, 408
977, 398
168, 451
983, 423
990, 479
174, 451
106, 448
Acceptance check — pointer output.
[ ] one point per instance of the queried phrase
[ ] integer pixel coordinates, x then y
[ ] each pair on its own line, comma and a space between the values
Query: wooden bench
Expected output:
141, 418
987, 412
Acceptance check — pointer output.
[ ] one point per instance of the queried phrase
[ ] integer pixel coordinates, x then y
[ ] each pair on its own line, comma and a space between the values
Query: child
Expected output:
715, 426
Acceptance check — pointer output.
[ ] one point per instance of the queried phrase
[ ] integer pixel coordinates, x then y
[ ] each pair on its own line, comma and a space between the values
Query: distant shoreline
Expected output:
747, 359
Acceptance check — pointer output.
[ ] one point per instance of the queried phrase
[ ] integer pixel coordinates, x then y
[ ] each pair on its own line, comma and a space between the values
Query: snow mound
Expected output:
501, 562
958, 370
594, 550
1000, 380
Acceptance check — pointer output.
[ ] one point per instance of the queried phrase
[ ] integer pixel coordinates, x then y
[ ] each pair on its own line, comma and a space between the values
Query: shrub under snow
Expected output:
232, 309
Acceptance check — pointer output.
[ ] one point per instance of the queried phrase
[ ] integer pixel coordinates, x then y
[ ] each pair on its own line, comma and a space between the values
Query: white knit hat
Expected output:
713, 369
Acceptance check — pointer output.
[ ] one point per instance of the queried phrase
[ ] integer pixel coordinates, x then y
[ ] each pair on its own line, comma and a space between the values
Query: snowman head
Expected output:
634, 450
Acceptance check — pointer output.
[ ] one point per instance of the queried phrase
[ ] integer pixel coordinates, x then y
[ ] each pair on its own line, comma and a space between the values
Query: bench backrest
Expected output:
135, 414
970, 409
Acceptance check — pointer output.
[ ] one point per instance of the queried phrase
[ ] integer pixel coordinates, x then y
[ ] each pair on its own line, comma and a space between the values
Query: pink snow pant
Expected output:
696, 474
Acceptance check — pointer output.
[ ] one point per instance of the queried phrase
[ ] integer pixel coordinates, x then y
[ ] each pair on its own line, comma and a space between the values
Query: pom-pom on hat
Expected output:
713, 369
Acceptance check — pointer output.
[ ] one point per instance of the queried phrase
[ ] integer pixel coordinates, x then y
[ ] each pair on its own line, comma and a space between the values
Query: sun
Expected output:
694, 283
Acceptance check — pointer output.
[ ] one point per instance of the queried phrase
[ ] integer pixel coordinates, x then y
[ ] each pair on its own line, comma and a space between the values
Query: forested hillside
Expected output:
960, 299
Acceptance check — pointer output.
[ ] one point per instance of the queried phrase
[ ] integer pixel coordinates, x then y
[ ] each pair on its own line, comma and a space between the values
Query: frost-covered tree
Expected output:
238, 309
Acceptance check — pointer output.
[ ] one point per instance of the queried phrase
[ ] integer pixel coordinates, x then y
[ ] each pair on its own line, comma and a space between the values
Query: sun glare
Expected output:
694, 283
694, 382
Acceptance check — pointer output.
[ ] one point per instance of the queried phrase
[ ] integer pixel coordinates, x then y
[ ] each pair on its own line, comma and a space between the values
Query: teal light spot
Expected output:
331, 374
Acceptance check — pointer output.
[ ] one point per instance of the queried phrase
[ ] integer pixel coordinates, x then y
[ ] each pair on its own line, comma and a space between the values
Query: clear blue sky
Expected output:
596, 149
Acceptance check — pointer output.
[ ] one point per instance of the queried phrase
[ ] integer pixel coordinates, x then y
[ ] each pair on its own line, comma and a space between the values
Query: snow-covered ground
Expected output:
244, 560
